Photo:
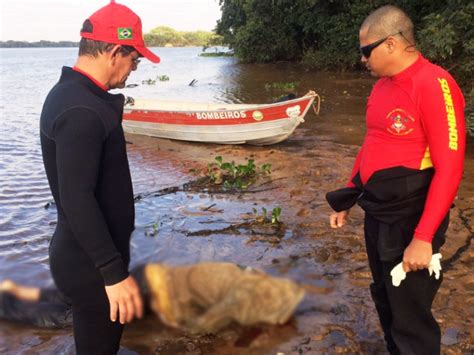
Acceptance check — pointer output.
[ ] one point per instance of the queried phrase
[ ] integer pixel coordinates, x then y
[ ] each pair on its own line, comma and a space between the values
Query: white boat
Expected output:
217, 123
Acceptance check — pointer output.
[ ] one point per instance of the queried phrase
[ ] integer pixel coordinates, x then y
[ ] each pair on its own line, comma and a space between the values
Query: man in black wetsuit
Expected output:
86, 164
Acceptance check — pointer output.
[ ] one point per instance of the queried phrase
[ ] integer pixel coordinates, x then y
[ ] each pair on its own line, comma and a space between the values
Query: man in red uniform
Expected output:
405, 177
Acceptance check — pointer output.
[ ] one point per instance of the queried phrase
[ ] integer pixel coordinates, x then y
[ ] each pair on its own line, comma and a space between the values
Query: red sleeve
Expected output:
442, 109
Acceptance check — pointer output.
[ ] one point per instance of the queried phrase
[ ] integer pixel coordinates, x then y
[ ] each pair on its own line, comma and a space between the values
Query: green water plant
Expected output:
281, 90
282, 86
260, 217
276, 212
216, 54
264, 217
235, 176
152, 230
149, 82
158, 78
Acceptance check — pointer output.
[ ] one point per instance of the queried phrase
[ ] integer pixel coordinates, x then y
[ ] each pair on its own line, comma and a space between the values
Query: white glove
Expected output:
398, 274
435, 265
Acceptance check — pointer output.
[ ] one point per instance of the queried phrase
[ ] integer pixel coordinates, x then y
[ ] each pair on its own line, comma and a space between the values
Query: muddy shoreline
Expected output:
337, 314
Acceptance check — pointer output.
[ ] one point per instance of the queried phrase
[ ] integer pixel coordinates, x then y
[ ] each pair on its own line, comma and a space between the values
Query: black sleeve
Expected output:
79, 134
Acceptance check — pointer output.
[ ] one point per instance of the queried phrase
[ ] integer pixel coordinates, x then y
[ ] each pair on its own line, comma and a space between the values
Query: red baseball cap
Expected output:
117, 24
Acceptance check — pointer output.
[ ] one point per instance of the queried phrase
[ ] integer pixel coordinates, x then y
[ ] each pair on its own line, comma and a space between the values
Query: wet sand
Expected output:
337, 314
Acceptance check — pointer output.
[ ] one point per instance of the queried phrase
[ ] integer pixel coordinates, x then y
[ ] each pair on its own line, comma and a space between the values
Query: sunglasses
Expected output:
367, 50
136, 61
127, 51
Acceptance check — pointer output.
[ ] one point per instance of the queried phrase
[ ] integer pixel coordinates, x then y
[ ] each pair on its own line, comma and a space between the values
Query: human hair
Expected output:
389, 20
92, 47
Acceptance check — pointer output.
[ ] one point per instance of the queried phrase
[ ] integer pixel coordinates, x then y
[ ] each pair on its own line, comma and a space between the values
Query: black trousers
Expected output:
81, 283
404, 311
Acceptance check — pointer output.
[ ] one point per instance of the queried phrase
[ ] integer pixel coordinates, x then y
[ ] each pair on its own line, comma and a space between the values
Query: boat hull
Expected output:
217, 123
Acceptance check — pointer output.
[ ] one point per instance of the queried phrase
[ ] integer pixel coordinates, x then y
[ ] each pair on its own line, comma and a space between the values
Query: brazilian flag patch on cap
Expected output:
125, 33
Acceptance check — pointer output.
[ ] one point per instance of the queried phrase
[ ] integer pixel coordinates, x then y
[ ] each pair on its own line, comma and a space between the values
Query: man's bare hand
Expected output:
338, 219
124, 298
417, 255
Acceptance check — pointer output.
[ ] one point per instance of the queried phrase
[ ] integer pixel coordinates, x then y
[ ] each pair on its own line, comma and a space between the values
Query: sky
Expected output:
57, 20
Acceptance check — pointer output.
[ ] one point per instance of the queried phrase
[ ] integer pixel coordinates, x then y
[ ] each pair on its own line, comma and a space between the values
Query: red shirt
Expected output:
415, 119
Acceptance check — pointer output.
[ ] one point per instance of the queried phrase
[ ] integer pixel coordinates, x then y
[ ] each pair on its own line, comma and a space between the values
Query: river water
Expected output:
337, 314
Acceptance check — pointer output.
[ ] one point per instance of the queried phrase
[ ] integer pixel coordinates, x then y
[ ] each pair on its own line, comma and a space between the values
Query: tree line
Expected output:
38, 44
323, 34
157, 37
163, 35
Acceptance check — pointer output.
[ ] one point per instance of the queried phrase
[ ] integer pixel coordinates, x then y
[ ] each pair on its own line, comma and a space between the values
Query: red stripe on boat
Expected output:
216, 117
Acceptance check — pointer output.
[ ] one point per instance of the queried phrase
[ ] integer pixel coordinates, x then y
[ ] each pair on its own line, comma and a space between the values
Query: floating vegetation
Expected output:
276, 212
282, 91
231, 176
158, 78
282, 86
152, 230
235, 176
264, 218
216, 54
149, 82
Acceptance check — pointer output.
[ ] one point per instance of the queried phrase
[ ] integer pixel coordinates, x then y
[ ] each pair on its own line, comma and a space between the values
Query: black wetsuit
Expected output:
86, 164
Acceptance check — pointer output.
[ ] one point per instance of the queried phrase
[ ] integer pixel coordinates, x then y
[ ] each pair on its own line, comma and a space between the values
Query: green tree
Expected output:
260, 31
453, 46
213, 41
163, 35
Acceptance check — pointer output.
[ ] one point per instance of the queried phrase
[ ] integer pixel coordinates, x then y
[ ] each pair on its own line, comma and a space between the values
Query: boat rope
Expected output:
316, 106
